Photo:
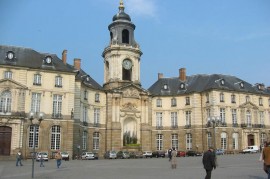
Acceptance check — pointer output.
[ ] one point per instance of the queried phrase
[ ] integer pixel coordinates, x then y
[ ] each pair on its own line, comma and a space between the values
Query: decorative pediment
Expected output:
11, 84
129, 107
131, 93
249, 105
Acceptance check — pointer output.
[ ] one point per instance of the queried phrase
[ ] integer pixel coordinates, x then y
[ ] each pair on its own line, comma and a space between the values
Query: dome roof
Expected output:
121, 15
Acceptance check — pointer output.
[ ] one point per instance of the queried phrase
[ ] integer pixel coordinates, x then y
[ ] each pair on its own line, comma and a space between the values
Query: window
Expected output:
235, 141
232, 98
263, 138
159, 141
174, 120
207, 97
8, 75
31, 136
159, 119
85, 114
58, 81
188, 141
221, 96
223, 141
96, 117
247, 99
84, 140
222, 115
57, 106
209, 139
5, 103
96, 141
248, 118
55, 137
35, 103
188, 118
234, 117
261, 113
159, 103
85, 94
125, 36
208, 113
97, 97
175, 141
187, 101
37, 79
173, 102
260, 101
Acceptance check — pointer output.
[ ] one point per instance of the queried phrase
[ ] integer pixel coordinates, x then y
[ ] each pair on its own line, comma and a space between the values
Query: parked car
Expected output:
158, 154
193, 153
65, 156
88, 156
181, 153
250, 149
44, 155
123, 154
220, 152
136, 154
147, 154
110, 155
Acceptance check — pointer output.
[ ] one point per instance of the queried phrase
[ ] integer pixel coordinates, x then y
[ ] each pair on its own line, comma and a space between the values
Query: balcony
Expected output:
188, 126
174, 127
159, 127
235, 125
96, 124
84, 123
57, 115
258, 126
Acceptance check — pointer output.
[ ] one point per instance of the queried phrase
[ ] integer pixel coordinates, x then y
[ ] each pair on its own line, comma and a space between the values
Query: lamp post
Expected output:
35, 120
214, 120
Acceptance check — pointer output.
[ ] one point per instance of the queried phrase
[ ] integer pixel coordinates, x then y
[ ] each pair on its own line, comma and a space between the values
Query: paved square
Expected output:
242, 166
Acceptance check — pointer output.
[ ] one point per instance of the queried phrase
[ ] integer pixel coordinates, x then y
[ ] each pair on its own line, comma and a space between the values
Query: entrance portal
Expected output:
5, 140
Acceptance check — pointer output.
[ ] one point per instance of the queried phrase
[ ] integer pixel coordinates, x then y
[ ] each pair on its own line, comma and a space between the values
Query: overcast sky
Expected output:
230, 37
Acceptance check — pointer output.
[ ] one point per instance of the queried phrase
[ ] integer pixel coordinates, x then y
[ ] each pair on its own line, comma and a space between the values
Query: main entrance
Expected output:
251, 140
5, 140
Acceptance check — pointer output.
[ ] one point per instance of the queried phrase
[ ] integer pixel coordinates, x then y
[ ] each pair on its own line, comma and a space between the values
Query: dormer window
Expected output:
241, 85
182, 86
165, 86
48, 60
10, 55
222, 82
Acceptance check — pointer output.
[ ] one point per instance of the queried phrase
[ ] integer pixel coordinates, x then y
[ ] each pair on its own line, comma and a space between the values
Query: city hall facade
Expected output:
74, 113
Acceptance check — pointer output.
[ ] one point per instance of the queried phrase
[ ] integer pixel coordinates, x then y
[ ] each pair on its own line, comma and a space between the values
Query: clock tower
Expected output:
122, 55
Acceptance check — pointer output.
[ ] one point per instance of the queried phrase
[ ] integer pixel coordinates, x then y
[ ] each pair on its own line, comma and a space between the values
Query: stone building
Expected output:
186, 112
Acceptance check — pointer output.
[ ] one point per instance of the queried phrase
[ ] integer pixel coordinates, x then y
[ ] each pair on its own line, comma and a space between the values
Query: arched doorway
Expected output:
251, 140
5, 140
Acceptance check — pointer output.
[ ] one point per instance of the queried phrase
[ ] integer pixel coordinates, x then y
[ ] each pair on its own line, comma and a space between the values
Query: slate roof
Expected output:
200, 83
87, 80
29, 58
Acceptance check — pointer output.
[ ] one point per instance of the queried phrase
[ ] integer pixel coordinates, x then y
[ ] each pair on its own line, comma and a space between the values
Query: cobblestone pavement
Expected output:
240, 166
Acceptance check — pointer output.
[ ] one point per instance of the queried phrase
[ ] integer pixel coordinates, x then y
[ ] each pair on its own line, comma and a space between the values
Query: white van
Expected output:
251, 149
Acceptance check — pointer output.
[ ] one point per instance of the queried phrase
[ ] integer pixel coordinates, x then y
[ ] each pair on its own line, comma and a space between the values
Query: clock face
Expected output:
48, 59
127, 64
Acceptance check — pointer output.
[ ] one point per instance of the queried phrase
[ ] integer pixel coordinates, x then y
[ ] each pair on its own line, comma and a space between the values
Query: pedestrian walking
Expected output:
58, 158
209, 162
42, 161
266, 158
19, 159
170, 154
173, 158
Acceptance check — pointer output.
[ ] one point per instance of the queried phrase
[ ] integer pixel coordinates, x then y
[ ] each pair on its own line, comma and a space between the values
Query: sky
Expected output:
229, 37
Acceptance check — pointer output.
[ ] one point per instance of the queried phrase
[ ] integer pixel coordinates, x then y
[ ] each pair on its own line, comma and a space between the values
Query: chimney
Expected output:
182, 74
64, 56
77, 63
160, 75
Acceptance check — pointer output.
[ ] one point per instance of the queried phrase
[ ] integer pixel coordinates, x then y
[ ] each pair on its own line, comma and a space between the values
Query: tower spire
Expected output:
121, 6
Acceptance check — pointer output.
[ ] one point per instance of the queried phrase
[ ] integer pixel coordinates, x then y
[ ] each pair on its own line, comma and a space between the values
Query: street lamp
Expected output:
214, 121
35, 120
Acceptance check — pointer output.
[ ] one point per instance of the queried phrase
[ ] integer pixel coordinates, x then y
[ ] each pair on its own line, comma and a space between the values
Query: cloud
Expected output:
146, 8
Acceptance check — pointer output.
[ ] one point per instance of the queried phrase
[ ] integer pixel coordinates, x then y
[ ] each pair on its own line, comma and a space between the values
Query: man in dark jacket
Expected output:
209, 162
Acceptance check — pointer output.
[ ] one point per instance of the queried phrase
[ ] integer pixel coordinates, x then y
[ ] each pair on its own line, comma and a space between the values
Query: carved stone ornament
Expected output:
129, 107
131, 93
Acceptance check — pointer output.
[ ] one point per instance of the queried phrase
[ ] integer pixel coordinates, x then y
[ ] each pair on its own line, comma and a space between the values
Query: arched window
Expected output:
223, 141
55, 137
125, 36
5, 104
96, 141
